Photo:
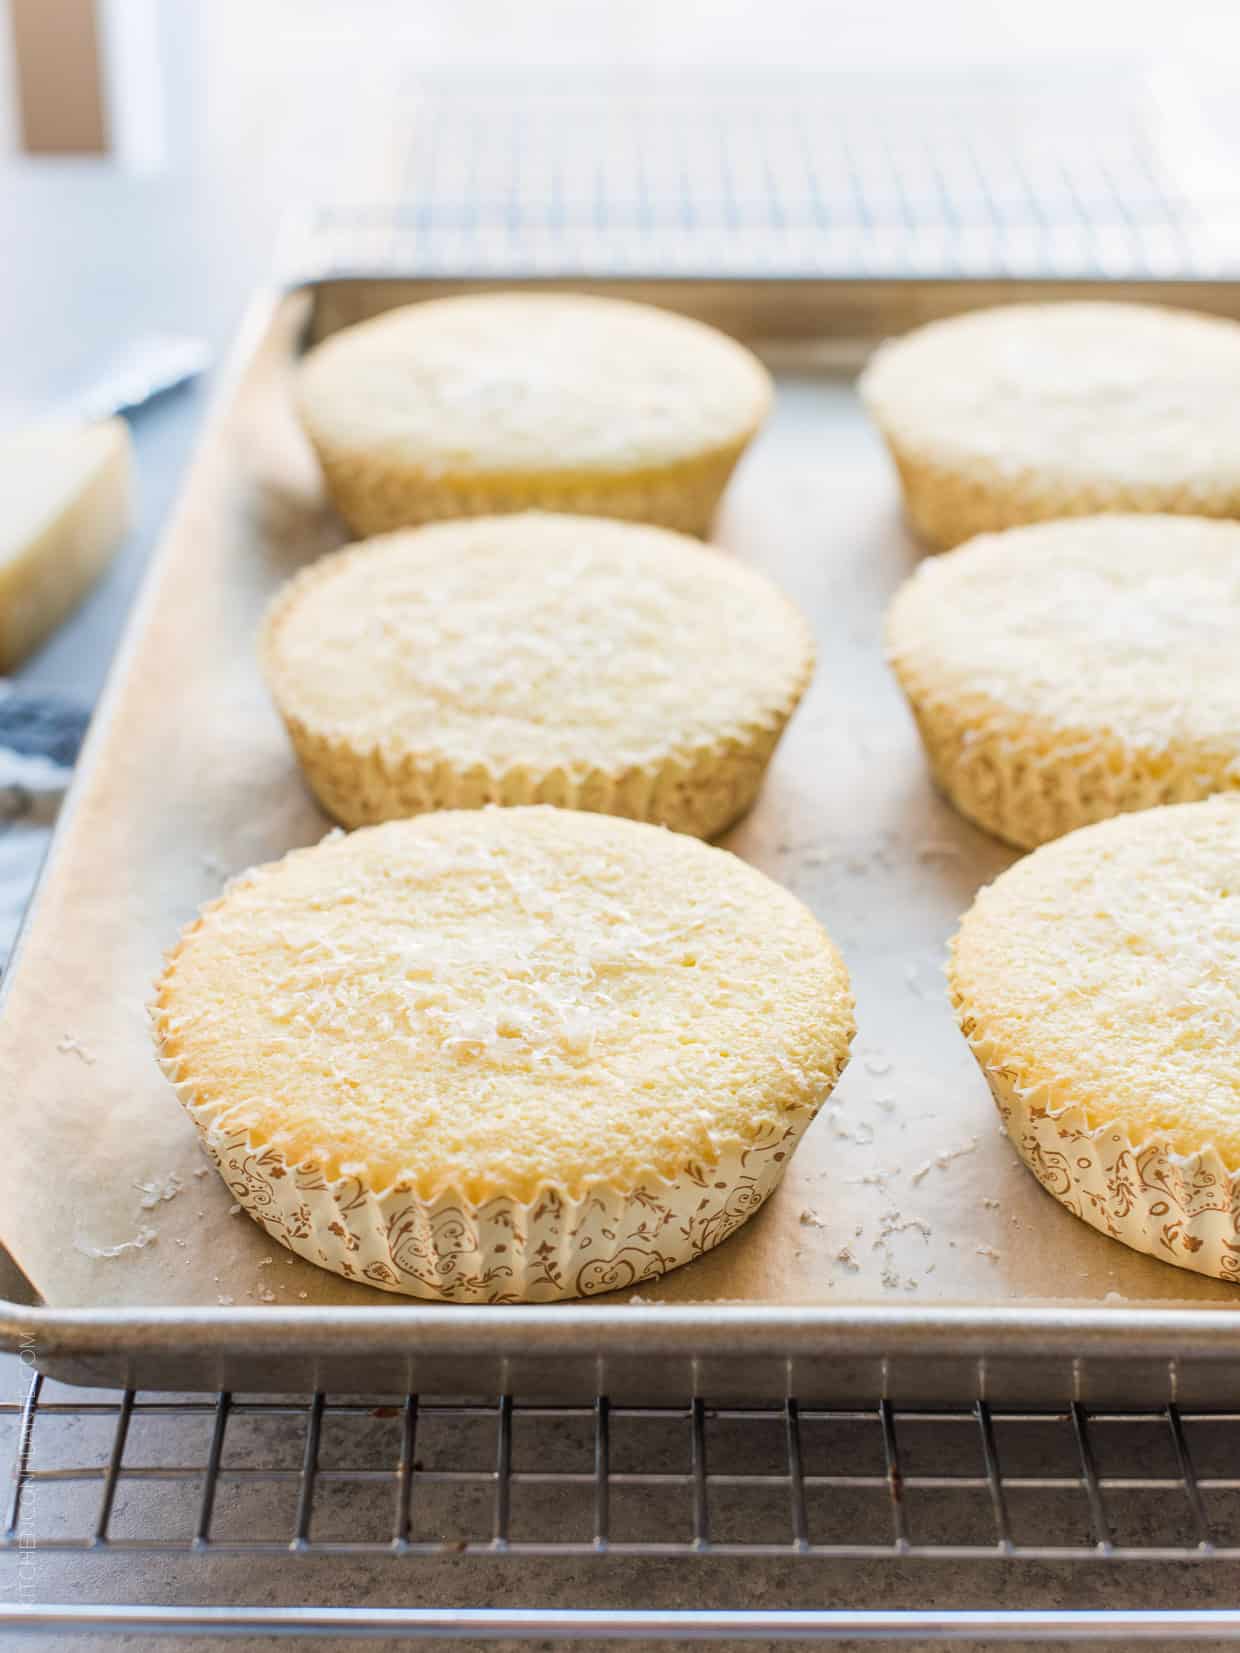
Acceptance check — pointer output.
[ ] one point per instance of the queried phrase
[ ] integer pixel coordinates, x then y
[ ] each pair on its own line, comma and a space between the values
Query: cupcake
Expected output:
1063, 673
493, 402
503, 1055
535, 659
1098, 984
1028, 412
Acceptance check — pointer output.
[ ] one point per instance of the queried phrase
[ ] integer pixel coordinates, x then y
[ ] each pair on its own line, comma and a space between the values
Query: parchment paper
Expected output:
904, 1190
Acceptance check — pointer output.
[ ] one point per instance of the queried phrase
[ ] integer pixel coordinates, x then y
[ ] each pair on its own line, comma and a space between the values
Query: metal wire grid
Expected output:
825, 177
429, 1477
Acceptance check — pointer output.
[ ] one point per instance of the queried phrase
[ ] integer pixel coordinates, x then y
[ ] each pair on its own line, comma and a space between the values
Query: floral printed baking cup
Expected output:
502, 1250
505, 1054
1182, 1208
1098, 985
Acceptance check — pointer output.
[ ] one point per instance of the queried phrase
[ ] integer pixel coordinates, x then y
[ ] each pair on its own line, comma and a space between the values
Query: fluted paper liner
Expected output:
700, 787
1181, 1208
701, 793
947, 505
1028, 783
375, 496
503, 1250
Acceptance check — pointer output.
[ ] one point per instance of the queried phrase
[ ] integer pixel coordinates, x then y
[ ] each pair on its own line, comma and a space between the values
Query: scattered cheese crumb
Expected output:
810, 1219
944, 1159
143, 1238
69, 1045
893, 1222
988, 1251
938, 851
844, 1255
153, 1192
874, 1179
234, 1211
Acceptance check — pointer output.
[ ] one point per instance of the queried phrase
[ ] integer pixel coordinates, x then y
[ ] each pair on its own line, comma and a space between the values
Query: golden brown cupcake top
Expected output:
498, 1000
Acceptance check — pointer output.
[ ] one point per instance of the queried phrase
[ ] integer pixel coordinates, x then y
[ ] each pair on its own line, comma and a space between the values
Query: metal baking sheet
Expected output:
905, 1227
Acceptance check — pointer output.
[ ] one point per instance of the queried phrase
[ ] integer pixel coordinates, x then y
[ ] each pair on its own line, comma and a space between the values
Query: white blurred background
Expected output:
290, 84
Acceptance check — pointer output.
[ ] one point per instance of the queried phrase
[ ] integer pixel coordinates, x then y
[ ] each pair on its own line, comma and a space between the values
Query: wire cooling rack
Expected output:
414, 1478
487, 1477
1065, 176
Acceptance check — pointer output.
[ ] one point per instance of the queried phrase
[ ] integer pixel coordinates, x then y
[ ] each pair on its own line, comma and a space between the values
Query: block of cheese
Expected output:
65, 501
